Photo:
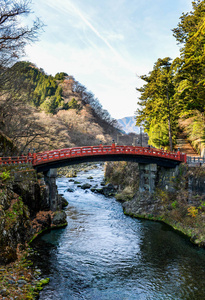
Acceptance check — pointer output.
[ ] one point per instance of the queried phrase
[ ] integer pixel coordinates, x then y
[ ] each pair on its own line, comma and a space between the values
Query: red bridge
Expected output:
44, 161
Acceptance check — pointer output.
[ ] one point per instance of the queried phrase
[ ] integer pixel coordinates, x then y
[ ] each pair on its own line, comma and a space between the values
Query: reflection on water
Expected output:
103, 254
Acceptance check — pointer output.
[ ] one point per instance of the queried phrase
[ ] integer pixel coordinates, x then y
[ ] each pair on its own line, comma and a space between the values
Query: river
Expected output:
104, 255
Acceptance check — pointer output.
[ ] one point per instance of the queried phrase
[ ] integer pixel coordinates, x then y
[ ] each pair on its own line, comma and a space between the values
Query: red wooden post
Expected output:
34, 158
113, 146
101, 147
178, 154
0, 161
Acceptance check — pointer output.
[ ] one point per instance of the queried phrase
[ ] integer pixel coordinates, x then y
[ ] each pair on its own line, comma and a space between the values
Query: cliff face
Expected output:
23, 210
182, 206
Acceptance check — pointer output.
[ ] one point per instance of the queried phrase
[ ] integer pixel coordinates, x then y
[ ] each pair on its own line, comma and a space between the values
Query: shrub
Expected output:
5, 175
192, 211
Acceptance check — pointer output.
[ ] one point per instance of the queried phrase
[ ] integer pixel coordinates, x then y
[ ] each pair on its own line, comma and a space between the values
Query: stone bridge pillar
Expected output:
50, 180
152, 176
147, 177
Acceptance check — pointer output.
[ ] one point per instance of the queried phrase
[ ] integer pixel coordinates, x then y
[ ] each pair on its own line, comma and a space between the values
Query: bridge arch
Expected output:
44, 161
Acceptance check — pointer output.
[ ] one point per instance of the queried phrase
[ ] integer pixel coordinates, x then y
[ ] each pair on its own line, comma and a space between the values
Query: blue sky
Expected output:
105, 44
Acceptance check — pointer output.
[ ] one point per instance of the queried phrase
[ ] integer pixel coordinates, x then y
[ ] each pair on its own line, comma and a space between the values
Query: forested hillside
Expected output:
173, 96
43, 112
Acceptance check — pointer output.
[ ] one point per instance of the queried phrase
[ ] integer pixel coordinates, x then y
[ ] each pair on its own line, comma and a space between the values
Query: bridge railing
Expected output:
53, 155
195, 160
16, 160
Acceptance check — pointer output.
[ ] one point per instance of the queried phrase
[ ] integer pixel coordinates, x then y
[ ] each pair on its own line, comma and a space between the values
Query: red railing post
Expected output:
29, 156
179, 154
34, 159
101, 148
113, 146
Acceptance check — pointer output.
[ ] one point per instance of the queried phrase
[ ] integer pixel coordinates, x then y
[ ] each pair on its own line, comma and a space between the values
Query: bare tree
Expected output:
88, 98
14, 36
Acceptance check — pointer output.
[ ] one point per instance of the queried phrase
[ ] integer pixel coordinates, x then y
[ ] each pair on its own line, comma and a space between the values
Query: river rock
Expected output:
108, 190
86, 186
63, 201
70, 190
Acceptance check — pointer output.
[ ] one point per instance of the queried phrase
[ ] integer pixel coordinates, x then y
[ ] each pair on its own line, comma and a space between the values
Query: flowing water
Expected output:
103, 254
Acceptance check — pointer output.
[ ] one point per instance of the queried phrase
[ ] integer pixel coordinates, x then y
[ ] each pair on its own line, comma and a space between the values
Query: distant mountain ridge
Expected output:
127, 124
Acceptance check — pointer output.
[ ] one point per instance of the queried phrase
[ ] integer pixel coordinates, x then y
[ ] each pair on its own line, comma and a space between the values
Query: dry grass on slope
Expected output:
68, 128
83, 128
29, 128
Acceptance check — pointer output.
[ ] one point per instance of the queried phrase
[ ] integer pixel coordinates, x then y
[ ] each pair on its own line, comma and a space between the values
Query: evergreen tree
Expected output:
158, 111
190, 77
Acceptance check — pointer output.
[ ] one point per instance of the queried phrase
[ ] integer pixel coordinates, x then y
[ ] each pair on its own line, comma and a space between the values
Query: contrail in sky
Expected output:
70, 7
74, 9
79, 13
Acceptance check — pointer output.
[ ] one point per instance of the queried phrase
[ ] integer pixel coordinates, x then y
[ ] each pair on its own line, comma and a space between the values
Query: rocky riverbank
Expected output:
182, 207
24, 214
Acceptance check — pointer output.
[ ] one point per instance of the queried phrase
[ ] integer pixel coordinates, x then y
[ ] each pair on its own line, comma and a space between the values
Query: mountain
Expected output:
127, 124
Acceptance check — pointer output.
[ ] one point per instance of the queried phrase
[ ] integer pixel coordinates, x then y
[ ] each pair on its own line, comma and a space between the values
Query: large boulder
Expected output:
59, 218
86, 186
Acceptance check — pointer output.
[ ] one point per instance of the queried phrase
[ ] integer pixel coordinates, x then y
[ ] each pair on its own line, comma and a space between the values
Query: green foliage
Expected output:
46, 87
202, 206
174, 204
73, 104
158, 110
190, 76
5, 175
49, 105
18, 207
60, 76
42, 87
159, 134
41, 283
